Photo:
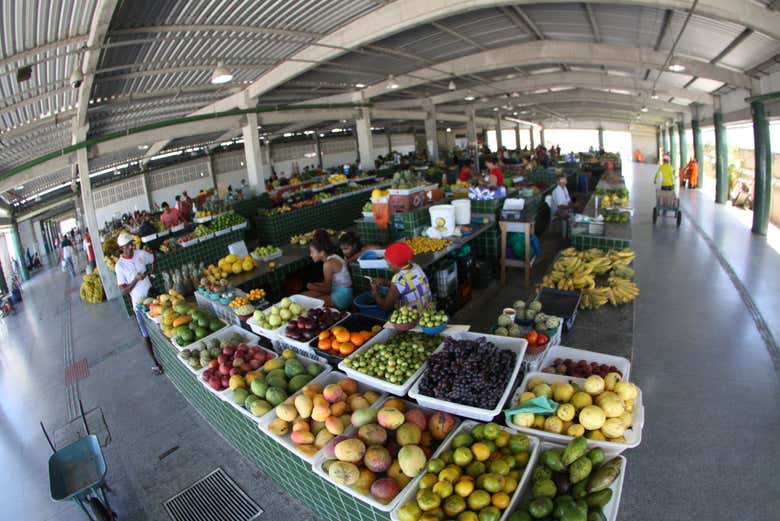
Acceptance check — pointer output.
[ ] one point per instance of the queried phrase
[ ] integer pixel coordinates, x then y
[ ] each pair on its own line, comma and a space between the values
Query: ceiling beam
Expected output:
182, 28
730, 47
594, 26
172, 70
661, 34
10, 64
456, 34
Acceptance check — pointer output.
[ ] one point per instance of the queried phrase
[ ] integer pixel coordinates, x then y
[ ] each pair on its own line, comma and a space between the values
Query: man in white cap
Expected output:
132, 278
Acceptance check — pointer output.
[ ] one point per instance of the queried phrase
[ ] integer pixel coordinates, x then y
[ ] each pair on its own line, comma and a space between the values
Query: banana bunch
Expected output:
91, 290
570, 264
594, 298
599, 265
569, 273
622, 271
624, 257
593, 254
570, 252
622, 291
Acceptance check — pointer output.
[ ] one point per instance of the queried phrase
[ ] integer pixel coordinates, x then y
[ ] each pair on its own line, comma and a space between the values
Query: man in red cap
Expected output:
409, 286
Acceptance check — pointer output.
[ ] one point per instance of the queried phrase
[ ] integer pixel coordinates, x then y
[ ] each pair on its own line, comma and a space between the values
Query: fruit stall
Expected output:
605, 221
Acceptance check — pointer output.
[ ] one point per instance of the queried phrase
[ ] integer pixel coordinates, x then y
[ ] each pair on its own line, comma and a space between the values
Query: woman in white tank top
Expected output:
336, 288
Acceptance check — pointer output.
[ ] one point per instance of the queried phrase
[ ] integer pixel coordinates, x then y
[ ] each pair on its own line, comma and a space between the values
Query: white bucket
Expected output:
462, 211
443, 219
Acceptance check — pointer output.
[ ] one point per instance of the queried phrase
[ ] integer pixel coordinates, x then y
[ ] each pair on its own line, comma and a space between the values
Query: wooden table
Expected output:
526, 228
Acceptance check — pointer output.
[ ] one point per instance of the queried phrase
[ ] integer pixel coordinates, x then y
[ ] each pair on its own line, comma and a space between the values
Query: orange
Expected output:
324, 344
341, 334
366, 335
346, 348
500, 500
324, 335
481, 451
356, 338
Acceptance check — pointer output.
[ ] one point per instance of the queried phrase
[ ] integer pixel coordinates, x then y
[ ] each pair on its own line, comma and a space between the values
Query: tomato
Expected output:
541, 339
532, 337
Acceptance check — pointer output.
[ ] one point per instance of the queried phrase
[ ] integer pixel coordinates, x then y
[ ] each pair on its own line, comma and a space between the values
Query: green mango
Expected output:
551, 458
314, 369
275, 395
600, 498
560, 503
293, 368
540, 507
604, 476
580, 469
296, 383
580, 490
574, 450
570, 512
596, 456
596, 515
544, 488
540, 472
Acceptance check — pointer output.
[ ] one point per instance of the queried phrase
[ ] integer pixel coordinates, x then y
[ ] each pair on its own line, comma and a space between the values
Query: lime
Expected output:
462, 456
462, 439
475, 468
519, 443
499, 466
443, 489
453, 506
436, 465
428, 500
493, 482
478, 500
492, 430
490, 513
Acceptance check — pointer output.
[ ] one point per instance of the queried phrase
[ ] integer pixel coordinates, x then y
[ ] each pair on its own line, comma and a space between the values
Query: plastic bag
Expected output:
540, 405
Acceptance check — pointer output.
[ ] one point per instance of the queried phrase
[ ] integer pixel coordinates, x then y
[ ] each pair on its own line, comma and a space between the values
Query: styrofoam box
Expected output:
319, 462
305, 302
633, 435
410, 492
219, 335
303, 345
396, 389
622, 364
517, 345
191, 242
323, 380
380, 263
207, 337
610, 510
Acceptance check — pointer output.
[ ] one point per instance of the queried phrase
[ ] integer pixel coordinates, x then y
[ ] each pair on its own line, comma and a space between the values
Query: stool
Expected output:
528, 262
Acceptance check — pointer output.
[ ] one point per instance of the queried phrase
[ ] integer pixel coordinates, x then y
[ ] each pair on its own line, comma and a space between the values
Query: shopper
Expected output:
336, 287
464, 176
409, 286
170, 216
66, 255
89, 251
133, 279
561, 202
667, 175
184, 208
495, 176
352, 248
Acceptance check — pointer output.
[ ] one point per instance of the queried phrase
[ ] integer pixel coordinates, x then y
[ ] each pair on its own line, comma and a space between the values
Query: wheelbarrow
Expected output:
78, 472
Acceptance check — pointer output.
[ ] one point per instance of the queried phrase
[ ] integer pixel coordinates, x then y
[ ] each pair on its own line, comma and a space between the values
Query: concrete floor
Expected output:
711, 391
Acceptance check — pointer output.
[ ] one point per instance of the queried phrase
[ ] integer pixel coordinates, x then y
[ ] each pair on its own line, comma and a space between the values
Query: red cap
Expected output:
399, 254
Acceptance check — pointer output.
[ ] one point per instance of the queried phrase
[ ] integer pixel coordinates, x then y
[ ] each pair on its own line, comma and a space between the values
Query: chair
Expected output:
554, 217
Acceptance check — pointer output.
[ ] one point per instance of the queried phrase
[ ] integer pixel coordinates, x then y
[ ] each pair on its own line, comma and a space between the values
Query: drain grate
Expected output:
216, 497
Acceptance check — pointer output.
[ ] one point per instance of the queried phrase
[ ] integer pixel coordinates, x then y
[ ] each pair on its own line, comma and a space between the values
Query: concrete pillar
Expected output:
517, 137
3, 283
601, 138
673, 142
44, 240
431, 139
698, 147
683, 144
255, 169
531, 133
365, 140
762, 191
18, 252
721, 160
318, 149
210, 170
658, 144
499, 138
471, 136
147, 190
111, 289
541, 137
389, 143
665, 131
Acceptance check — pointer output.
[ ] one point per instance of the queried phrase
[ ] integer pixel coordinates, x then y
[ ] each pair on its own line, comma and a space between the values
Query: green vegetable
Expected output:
600, 498
604, 476
596, 456
551, 458
574, 450
580, 469
540, 507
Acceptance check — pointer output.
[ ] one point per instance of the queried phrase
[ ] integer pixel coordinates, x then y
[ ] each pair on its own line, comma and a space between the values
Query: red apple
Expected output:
255, 364
222, 359
229, 350
224, 369
234, 370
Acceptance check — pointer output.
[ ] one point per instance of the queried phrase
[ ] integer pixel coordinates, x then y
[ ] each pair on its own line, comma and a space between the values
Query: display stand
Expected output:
528, 262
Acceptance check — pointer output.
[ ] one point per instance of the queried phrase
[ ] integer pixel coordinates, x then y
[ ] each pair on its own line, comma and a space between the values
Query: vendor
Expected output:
336, 287
465, 172
561, 203
495, 176
170, 216
352, 248
409, 286
133, 279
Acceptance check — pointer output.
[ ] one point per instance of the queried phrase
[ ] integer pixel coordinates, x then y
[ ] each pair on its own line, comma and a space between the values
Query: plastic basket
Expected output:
354, 322
517, 345
559, 351
560, 303
305, 302
633, 435
410, 491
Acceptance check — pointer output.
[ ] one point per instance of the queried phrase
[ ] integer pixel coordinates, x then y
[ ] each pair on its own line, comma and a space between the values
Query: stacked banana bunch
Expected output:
624, 257
594, 298
622, 271
622, 291
570, 273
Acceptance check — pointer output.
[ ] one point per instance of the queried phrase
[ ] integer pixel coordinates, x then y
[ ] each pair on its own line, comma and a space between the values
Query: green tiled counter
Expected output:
616, 235
293, 475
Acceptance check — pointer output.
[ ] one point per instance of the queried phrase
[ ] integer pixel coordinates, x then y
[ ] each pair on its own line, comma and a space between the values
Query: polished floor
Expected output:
704, 354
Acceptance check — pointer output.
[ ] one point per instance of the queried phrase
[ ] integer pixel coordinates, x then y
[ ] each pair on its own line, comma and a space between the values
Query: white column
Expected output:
111, 289
431, 139
499, 141
254, 158
517, 137
364, 137
471, 135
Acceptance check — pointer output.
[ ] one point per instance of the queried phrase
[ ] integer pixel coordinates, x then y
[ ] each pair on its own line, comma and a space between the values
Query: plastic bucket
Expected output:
367, 306
462, 211
443, 218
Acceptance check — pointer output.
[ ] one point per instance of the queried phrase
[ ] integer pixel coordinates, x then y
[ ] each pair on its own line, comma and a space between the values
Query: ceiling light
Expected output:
654, 96
495, 109
76, 77
391, 83
643, 109
221, 75
515, 95
483, 100
469, 96
510, 76
676, 66
451, 86
360, 85
514, 113
449, 129
143, 147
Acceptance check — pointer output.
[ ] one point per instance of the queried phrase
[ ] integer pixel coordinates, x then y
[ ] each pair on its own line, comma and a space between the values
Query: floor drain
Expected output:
216, 497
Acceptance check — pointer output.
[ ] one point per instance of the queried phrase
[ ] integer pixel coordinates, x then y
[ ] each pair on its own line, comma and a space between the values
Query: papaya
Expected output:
182, 320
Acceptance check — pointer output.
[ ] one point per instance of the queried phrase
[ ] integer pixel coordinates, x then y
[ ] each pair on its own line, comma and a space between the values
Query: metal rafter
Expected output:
259, 31
456, 34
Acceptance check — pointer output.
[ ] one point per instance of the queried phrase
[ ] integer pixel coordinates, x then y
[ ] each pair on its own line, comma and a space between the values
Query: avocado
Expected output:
551, 459
296, 383
293, 368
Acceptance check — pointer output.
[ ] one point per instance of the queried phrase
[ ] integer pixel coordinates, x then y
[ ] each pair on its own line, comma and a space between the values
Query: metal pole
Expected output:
499, 137
531, 132
517, 137
666, 139
698, 150
762, 191
721, 160
541, 136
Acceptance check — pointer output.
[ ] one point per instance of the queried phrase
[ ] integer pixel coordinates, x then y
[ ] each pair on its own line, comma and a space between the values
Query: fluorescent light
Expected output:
676, 66
469, 96
451, 86
391, 83
515, 94
449, 129
221, 75
360, 85
654, 96
495, 109
143, 147
643, 109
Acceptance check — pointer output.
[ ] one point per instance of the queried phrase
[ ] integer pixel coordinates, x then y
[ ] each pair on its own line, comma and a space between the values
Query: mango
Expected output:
351, 450
408, 434
385, 489
412, 460
372, 434
371, 397
440, 424
338, 408
302, 438
311, 390
343, 473
259, 408
377, 458
321, 410
348, 385
333, 393
329, 450
390, 417
363, 416
322, 438
417, 417
364, 482
334, 425
356, 401
304, 405
397, 474
300, 425
307, 450
395, 403
279, 427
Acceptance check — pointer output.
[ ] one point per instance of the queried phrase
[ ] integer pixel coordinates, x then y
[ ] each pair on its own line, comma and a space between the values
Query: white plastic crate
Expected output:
211, 335
323, 380
622, 364
633, 435
303, 345
305, 302
409, 492
517, 345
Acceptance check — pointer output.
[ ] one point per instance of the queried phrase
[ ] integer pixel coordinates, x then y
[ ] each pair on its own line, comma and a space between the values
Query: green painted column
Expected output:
18, 252
601, 138
683, 145
673, 148
762, 192
541, 137
666, 140
721, 160
3, 283
698, 150
658, 144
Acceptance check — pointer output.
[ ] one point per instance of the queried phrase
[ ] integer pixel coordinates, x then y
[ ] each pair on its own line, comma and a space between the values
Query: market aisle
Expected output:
146, 415
711, 392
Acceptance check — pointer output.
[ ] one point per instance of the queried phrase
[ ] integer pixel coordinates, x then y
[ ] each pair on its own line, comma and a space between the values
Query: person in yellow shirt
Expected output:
667, 175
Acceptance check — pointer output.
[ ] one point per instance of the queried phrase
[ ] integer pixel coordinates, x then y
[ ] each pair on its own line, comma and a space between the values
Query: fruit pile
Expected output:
580, 368
612, 197
433, 318
312, 324
391, 448
200, 214
207, 353
238, 302
303, 239
186, 323
156, 306
275, 316
202, 230
318, 415
368, 207
592, 267
474, 480
600, 410
336, 178
184, 239
404, 315
256, 294
342, 342
570, 484
266, 251
226, 220
397, 360
470, 372
91, 289
426, 244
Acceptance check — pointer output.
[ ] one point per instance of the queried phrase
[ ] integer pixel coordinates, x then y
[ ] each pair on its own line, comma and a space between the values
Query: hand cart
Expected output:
667, 201
78, 472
